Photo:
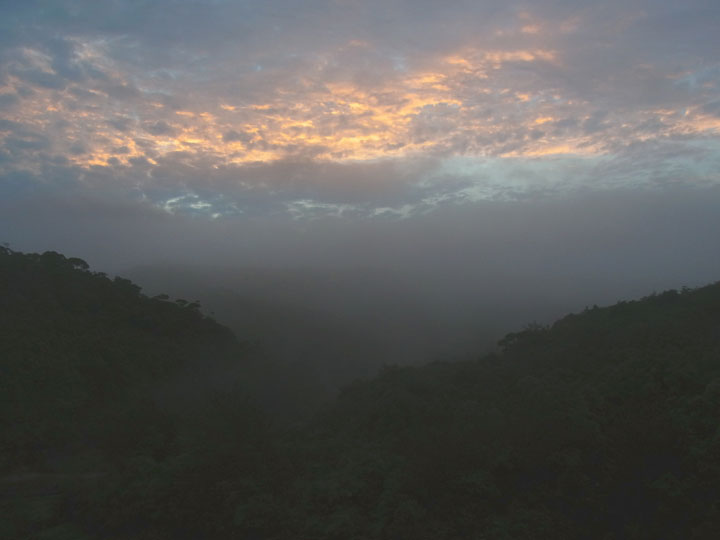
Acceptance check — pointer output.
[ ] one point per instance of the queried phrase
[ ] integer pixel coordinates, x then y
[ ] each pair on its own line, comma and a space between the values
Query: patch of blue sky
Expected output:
191, 203
484, 178
309, 208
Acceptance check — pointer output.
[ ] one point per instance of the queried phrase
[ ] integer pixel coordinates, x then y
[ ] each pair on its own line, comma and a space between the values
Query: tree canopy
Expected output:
133, 417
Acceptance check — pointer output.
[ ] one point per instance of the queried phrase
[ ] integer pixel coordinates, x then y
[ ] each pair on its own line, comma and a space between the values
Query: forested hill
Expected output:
603, 426
83, 358
606, 425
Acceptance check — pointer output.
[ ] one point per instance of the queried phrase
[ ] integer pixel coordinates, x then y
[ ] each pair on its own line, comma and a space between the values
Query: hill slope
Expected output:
76, 345
96, 378
603, 426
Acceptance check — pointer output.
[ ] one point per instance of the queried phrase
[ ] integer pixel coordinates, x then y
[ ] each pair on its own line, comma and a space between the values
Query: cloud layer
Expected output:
508, 161
333, 107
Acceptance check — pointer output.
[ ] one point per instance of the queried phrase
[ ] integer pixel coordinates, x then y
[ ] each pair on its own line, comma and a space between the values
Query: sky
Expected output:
536, 142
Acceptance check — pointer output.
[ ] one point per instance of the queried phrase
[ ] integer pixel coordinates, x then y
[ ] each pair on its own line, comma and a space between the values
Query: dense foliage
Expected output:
94, 376
605, 425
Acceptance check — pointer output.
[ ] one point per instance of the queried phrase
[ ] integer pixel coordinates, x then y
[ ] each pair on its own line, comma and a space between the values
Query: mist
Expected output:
346, 295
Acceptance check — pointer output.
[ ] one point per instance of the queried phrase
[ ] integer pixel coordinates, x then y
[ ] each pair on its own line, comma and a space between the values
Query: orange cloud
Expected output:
464, 96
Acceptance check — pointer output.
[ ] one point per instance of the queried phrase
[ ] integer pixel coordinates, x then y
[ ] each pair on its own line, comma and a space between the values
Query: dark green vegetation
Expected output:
126, 417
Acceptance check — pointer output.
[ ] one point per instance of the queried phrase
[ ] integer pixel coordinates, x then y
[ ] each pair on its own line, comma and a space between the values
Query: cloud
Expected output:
234, 136
160, 128
358, 110
8, 99
712, 108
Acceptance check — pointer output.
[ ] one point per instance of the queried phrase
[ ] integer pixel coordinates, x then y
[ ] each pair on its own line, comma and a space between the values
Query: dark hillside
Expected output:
128, 417
95, 376
76, 345
603, 426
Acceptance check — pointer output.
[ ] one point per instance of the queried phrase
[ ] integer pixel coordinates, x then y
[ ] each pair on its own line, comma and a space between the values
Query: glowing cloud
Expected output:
488, 84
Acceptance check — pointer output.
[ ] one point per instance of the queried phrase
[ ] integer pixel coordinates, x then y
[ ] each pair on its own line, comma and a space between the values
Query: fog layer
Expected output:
348, 294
